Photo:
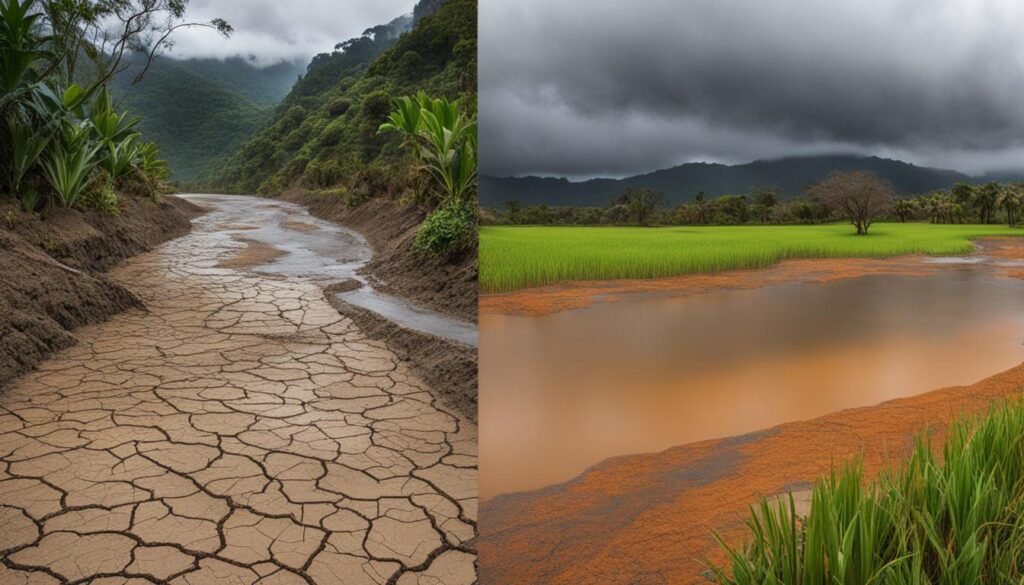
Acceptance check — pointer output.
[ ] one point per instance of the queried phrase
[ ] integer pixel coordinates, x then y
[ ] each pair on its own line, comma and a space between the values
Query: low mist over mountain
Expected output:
682, 183
324, 133
193, 107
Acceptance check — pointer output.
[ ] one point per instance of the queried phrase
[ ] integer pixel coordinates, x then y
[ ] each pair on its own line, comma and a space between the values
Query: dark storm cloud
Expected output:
272, 31
584, 87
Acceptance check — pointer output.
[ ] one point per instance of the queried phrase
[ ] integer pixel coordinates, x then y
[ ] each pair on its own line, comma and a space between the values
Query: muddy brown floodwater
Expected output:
563, 391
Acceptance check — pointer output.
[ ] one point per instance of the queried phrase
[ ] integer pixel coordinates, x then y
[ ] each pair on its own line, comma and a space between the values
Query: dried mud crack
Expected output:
238, 430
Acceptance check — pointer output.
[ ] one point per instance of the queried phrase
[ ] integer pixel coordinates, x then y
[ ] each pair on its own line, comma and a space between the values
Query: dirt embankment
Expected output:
51, 268
446, 285
449, 368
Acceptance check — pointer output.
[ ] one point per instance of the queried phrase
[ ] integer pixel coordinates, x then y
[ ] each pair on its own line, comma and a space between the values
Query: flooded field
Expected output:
564, 391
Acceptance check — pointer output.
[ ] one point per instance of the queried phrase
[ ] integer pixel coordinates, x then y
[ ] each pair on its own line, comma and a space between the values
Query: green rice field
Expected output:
513, 258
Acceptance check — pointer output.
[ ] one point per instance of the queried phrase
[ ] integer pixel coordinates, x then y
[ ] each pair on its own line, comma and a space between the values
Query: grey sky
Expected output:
596, 87
271, 31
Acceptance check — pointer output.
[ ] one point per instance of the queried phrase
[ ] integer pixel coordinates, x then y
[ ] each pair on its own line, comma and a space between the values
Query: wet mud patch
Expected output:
447, 285
299, 226
235, 227
253, 254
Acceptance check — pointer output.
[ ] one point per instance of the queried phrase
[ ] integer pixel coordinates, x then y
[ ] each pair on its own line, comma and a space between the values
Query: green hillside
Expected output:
197, 108
324, 134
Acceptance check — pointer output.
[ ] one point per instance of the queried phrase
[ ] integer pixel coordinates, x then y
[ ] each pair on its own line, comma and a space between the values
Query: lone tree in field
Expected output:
860, 196
641, 203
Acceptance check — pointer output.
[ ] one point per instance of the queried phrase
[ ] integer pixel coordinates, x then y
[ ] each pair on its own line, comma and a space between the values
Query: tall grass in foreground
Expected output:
512, 258
958, 519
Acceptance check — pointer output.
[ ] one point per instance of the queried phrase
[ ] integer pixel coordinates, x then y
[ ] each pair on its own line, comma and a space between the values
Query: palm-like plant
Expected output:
1011, 199
52, 133
444, 138
23, 52
23, 151
153, 169
71, 163
905, 209
22, 46
116, 133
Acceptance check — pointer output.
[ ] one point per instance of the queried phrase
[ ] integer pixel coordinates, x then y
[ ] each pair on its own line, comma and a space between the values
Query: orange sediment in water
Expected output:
649, 518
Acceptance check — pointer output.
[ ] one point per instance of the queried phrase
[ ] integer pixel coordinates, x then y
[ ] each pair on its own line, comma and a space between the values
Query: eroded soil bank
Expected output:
51, 267
446, 285
239, 430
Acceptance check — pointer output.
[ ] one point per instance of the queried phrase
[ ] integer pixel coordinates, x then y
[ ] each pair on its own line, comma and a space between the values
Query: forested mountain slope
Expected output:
198, 107
789, 176
324, 133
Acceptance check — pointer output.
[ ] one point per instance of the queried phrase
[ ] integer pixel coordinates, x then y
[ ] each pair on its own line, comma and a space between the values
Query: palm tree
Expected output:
963, 194
1010, 199
700, 206
905, 209
936, 206
985, 201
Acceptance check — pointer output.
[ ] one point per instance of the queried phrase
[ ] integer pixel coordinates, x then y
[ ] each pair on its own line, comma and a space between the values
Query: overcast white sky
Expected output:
271, 31
593, 87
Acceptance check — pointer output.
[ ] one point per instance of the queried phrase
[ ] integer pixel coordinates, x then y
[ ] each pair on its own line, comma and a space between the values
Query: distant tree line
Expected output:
859, 197
988, 203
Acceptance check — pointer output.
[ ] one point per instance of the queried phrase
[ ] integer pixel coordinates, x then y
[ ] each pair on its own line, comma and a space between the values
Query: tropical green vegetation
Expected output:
445, 142
950, 519
326, 136
63, 142
520, 257
964, 203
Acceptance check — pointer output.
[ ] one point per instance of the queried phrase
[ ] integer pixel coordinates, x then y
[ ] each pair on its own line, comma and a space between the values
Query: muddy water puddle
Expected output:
564, 391
282, 239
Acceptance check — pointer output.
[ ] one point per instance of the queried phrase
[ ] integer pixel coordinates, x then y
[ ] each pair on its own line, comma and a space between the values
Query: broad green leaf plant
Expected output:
444, 139
57, 143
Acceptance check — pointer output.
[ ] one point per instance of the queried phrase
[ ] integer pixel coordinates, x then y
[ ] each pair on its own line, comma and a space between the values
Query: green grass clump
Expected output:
512, 258
958, 519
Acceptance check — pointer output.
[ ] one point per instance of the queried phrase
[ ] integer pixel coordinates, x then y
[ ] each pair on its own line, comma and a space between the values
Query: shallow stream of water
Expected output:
564, 391
312, 249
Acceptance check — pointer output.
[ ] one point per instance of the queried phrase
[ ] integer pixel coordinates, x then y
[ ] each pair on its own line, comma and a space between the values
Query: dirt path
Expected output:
238, 431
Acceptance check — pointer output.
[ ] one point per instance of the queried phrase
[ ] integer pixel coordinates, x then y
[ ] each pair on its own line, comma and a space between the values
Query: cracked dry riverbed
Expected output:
238, 431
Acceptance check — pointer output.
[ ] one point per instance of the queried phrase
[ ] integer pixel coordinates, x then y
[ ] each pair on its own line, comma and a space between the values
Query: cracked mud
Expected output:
237, 431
